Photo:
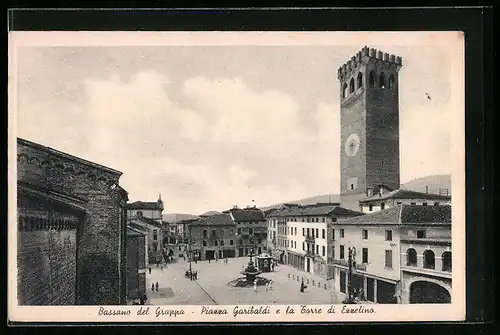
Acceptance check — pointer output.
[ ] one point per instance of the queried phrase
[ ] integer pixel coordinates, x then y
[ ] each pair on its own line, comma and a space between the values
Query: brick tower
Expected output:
369, 119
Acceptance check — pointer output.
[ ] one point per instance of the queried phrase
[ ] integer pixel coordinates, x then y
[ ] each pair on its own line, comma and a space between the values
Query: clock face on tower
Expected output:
352, 145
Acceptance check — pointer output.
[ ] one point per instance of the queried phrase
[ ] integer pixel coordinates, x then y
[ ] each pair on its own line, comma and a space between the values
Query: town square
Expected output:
184, 175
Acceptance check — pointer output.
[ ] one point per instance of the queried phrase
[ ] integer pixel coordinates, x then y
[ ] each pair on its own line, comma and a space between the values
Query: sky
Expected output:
210, 127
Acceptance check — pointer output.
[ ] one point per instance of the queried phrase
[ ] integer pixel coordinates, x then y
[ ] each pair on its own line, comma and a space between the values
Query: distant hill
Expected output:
434, 183
176, 217
310, 201
210, 213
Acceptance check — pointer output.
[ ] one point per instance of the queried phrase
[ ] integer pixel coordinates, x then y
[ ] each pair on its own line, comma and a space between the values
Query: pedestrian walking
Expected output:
302, 286
157, 264
153, 287
157, 286
149, 270
209, 261
270, 285
267, 286
162, 267
255, 285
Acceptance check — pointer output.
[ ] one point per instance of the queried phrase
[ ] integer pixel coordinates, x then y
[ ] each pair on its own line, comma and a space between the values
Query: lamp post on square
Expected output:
352, 263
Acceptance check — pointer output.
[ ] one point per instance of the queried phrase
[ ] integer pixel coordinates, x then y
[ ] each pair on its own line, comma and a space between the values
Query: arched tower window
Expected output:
391, 82
344, 90
204, 233
351, 86
360, 80
372, 79
382, 82
411, 257
429, 259
446, 259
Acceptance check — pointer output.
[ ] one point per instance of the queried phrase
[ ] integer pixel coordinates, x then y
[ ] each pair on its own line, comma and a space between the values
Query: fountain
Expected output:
251, 274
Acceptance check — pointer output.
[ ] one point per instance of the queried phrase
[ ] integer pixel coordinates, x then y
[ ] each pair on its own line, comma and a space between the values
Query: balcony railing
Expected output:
310, 238
310, 253
426, 271
343, 262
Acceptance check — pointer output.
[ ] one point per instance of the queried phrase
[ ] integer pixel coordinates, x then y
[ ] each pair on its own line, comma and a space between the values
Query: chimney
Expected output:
235, 207
369, 191
381, 190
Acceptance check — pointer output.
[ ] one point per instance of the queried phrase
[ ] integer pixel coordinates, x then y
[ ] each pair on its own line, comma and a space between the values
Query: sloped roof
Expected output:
404, 215
146, 220
137, 226
187, 221
214, 220
314, 210
134, 232
144, 205
269, 211
247, 215
209, 213
405, 194
65, 155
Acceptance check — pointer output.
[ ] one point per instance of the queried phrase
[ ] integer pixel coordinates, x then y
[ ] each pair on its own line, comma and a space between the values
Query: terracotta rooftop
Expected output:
144, 205
326, 209
404, 194
404, 215
214, 220
247, 215
147, 221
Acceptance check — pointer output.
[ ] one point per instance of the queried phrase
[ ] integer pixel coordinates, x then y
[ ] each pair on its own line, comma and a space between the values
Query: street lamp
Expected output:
352, 263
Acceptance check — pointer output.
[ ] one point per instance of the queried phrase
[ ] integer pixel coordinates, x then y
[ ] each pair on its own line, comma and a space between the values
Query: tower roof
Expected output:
367, 53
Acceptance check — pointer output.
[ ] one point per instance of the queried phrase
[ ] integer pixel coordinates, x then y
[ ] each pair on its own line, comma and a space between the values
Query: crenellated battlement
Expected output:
366, 52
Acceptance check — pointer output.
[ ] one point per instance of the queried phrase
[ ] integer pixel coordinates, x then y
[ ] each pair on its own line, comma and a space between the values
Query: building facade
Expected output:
148, 216
305, 236
151, 210
71, 235
136, 263
251, 230
369, 118
170, 235
426, 262
154, 236
182, 230
272, 233
384, 198
378, 243
213, 237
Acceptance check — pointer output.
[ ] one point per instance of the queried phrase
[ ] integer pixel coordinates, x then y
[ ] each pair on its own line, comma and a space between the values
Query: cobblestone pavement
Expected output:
174, 288
212, 286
